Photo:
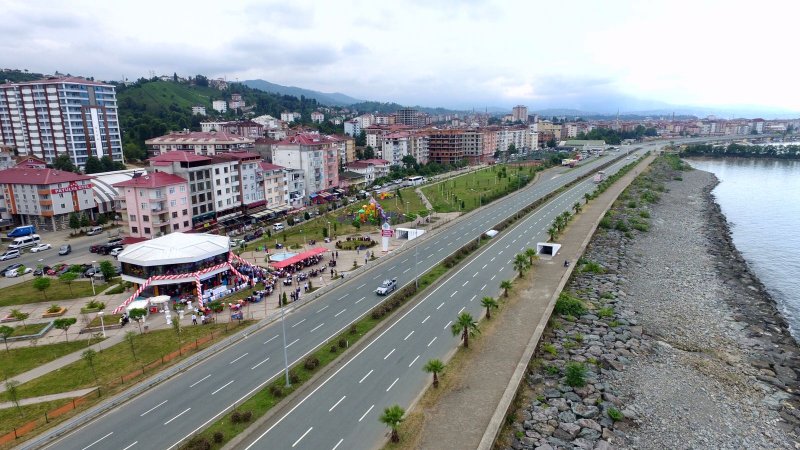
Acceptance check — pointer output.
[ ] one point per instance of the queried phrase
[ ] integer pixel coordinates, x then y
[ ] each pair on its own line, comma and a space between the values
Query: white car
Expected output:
40, 247
15, 272
115, 251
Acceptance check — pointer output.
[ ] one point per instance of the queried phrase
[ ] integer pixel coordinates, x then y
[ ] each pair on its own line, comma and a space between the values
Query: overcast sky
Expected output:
595, 55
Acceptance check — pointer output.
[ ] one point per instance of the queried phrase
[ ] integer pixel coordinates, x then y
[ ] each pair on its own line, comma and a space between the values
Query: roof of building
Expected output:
152, 180
376, 161
103, 186
269, 166
175, 248
28, 175
350, 175
59, 80
178, 156
200, 137
239, 155
307, 139
359, 165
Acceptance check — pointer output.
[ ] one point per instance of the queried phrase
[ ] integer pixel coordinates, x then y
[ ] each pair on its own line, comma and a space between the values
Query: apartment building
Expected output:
200, 143
290, 116
246, 128
454, 145
220, 106
154, 205
317, 117
57, 116
236, 102
519, 113
274, 184
394, 146
419, 146
316, 155
408, 116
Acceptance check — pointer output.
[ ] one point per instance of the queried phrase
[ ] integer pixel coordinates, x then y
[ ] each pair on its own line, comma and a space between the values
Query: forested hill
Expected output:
746, 151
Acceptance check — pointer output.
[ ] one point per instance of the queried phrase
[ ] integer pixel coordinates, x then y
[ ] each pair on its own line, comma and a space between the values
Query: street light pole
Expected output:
92, 279
102, 324
416, 269
285, 354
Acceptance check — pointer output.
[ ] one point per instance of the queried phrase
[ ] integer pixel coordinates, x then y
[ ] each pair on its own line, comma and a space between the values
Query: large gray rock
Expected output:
559, 403
589, 423
585, 411
567, 416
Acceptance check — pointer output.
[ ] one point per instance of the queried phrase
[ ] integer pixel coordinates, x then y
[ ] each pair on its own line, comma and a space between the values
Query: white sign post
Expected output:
386, 233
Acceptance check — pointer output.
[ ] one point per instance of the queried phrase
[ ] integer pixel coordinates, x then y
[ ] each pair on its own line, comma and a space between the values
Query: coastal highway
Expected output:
165, 415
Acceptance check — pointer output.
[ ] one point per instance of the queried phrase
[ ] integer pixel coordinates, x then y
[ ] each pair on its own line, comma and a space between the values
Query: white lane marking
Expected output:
270, 339
338, 444
407, 270
392, 385
170, 420
412, 362
459, 311
360, 300
95, 442
515, 240
199, 381
476, 274
365, 377
320, 310
134, 443
363, 285
298, 323
238, 358
426, 319
429, 255
345, 295
301, 437
337, 403
473, 297
484, 266
256, 366
493, 258
492, 279
500, 253
376, 277
409, 335
440, 249
365, 413
292, 343
449, 323
339, 313
389, 354
431, 342
151, 409
465, 283
392, 268
454, 293
316, 327
221, 388
484, 287
437, 308
509, 245
403, 260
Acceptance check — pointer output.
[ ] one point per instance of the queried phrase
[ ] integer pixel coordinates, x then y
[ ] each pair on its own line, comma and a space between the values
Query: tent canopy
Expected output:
299, 257
140, 304
159, 299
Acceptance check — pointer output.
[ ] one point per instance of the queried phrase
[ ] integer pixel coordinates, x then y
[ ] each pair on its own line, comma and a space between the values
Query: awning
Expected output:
299, 257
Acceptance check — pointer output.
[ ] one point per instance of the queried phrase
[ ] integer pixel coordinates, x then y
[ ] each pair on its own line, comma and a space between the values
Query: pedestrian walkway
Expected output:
497, 361
48, 398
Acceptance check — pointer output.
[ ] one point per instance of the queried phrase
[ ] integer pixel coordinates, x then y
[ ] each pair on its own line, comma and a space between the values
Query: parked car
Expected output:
9, 254
94, 231
65, 249
11, 267
56, 269
387, 287
41, 271
278, 227
15, 272
92, 271
40, 247
115, 241
96, 248
115, 251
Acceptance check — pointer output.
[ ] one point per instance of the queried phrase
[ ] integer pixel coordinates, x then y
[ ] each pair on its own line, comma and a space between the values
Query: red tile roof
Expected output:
27, 175
59, 80
152, 180
180, 156
307, 139
239, 155
199, 137
376, 161
269, 166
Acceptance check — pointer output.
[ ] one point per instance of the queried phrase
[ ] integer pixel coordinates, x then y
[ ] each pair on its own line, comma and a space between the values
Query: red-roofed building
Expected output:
315, 154
155, 204
44, 197
199, 143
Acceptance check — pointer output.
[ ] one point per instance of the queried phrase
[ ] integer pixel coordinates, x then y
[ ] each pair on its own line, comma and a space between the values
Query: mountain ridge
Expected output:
325, 98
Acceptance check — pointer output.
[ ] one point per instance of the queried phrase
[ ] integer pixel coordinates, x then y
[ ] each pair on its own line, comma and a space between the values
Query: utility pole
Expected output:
285, 354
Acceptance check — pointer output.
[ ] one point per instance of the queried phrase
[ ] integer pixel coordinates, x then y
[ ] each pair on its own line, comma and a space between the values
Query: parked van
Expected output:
414, 181
94, 230
24, 242
25, 230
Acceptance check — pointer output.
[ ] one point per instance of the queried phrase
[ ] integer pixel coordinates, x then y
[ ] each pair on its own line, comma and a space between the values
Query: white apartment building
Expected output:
290, 116
267, 121
56, 116
519, 136
519, 113
317, 117
198, 110
394, 146
274, 184
419, 147
200, 143
236, 101
352, 127
295, 187
219, 106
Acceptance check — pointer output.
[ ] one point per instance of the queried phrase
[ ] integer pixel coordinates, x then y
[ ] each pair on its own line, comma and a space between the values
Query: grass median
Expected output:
22, 359
24, 293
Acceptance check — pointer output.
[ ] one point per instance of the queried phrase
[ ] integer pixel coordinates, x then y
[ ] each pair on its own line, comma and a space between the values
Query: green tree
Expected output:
108, 164
21, 270
489, 303
531, 254
512, 149
138, 314
576, 207
465, 326
74, 221
506, 286
369, 152
42, 284
392, 417
63, 324
67, 278
176, 327
552, 232
108, 270
435, 367
89, 356
521, 263
587, 196
93, 165
551, 143
84, 221
361, 139
19, 315
12, 390
5, 332
64, 162
130, 337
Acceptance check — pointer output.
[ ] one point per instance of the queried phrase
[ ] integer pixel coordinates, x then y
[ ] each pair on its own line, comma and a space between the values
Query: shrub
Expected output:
276, 391
641, 226
569, 345
311, 363
218, 437
605, 223
631, 204
678, 178
621, 225
593, 267
605, 312
614, 414
552, 370
118, 289
198, 443
567, 305
607, 295
575, 374
353, 329
550, 348
342, 343
334, 349
577, 337
644, 214
650, 197
54, 308
293, 377
247, 416
236, 417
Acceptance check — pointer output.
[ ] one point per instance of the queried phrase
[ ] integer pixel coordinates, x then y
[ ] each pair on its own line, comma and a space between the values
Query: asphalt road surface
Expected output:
342, 413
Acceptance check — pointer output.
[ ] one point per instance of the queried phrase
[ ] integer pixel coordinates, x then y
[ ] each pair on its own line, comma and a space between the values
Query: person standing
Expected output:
194, 319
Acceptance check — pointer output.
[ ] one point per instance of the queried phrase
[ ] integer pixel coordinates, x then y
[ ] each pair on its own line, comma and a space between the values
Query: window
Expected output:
62, 206
146, 218
158, 193
141, 192
135, 229
174, 214
219, 203
218, 181
216, 171
194, 211
183, 200
225, 169
172, 190
147, 231
186, 223
144, 205
173, 203
175, 226
185, 211
133, 217
183, 188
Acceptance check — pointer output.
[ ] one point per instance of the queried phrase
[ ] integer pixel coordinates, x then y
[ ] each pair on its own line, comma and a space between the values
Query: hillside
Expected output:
324, 98
155, 96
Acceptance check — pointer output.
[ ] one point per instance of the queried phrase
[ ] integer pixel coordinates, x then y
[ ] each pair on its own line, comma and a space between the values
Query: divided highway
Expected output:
342, 413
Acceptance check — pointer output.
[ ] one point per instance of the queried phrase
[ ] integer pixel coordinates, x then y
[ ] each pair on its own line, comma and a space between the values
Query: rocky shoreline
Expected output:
675, 343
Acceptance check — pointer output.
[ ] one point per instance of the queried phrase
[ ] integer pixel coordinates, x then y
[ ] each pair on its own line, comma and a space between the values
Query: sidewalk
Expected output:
48, 398
497, 360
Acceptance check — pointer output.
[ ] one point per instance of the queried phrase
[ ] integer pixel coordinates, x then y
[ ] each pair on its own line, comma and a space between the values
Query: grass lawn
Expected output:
108, 319
31, 328
24, 293
22, 359
10, 417
114, 362
471, 187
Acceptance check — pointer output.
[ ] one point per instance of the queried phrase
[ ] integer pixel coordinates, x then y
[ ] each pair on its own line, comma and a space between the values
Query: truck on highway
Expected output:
569, 162
599, 177
25, 230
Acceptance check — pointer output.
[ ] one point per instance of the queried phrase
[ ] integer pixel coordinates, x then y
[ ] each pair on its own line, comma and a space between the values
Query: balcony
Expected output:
46, 202
157, 208
44, 191
156, 199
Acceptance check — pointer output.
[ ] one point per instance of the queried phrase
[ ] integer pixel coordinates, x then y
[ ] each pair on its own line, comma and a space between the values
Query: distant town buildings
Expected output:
317, 117
198, 110
61, 116
219, 106
519, 113
290, 116
236, 102
199, 143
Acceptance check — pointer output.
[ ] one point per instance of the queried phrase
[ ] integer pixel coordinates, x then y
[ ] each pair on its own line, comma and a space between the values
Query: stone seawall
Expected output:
681, 345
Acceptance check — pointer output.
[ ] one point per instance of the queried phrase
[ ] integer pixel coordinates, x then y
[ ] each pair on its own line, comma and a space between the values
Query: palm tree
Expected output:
435, 367
465, 325
506, 286
488, 303
577, 207
392, 417
587, 196
531, 254
520, 263
552, 232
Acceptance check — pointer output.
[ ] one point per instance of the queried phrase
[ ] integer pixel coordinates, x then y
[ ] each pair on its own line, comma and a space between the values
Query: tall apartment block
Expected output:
56, 116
